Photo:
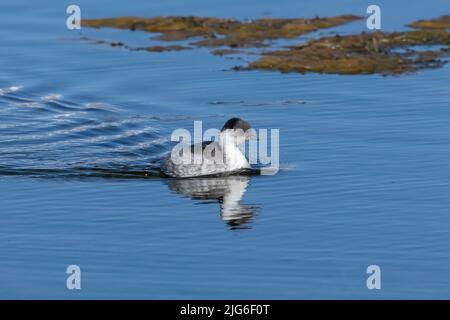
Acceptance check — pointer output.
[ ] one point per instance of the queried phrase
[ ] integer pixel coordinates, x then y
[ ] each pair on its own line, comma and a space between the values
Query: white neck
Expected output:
233, 155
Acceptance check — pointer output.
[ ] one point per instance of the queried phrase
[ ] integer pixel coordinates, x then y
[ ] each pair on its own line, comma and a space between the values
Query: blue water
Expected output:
364, 179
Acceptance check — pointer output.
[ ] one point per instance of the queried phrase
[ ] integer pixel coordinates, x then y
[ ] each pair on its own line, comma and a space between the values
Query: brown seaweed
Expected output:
163, 48
219, 31
365, 53
442, 22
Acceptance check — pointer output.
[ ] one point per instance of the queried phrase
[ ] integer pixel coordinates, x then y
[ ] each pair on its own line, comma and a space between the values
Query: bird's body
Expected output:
211, 158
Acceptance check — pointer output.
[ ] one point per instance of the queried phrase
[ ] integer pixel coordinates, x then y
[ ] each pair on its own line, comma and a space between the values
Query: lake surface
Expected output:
364, 178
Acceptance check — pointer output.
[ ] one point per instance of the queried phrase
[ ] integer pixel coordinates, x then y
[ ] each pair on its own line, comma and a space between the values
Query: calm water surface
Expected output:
365, 170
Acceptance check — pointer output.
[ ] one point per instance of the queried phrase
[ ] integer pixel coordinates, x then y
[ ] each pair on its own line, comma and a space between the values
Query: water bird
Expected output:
213, 157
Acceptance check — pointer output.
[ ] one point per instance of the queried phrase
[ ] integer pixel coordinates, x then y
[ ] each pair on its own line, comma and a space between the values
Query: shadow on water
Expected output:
84, 173
227, 191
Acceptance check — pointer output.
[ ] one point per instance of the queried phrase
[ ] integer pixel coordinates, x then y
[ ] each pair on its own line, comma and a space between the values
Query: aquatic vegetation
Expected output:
224, 52
149, 49
162, 48
221, 32
442, 22
365, 53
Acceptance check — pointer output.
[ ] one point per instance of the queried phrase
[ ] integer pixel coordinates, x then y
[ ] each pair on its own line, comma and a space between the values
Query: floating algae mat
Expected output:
365, 53
438, 23
221, 32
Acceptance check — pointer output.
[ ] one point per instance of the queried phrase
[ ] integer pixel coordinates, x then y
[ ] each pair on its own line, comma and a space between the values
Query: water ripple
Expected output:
71, 139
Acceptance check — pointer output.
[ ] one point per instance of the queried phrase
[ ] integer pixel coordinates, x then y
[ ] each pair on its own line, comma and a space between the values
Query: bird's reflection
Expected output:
227, 191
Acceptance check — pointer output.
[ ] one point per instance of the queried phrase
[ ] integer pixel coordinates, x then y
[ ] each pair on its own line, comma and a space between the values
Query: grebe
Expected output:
213, 157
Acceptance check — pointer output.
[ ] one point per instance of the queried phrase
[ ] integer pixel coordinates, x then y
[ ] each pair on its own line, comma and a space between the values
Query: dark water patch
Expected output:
83, 173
